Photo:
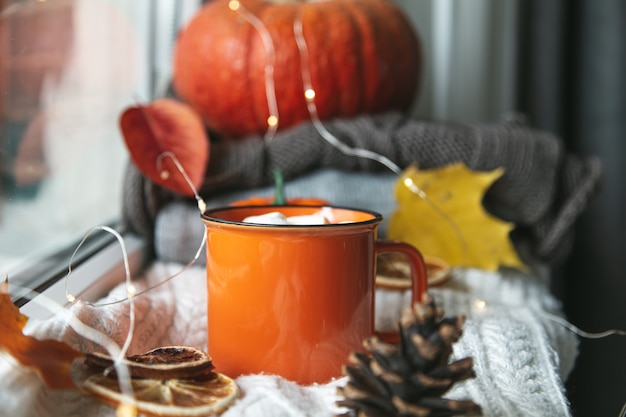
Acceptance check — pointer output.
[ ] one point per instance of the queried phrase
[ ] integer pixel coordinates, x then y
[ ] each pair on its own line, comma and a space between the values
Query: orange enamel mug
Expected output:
294, 300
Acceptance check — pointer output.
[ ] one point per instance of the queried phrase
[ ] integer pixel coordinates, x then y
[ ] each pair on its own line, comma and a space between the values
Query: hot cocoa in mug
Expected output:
294, 300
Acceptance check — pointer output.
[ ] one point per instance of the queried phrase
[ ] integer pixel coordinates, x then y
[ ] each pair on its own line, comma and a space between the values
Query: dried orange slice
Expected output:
170, 397
394, 272
169, 362
193, 392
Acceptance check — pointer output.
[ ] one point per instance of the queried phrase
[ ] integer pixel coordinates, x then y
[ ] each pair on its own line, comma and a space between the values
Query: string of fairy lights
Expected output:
270, 54
272, 126
309, 97
273, 120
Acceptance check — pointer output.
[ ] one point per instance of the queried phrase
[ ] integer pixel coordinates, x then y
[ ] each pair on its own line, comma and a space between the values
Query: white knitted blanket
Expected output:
521, 356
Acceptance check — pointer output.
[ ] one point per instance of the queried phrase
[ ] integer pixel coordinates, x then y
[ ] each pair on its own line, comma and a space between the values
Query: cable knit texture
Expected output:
543, 189
521, 357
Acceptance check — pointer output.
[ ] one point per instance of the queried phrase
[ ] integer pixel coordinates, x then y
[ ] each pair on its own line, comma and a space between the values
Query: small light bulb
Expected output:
165, 174
70, 298
201, 205
126, 410
480, 304
233, 5
272, 121
131, 290
408, 182
309, 94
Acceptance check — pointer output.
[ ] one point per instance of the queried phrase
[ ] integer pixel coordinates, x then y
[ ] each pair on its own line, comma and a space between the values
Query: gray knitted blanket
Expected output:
543, 190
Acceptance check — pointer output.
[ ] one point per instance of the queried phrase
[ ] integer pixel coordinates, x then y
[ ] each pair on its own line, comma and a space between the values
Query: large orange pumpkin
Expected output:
363, 56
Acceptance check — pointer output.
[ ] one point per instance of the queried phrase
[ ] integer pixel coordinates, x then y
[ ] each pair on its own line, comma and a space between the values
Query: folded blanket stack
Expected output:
543, 190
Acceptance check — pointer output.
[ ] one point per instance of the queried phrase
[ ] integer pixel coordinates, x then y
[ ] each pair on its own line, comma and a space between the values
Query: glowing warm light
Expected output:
165, 174
70, 298
272, 120
201, 205
408, 182
126, 410
131, 290
233, 5
480, 304
309, 94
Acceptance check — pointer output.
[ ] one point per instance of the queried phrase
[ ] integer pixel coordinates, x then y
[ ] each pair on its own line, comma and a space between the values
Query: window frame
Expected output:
95, 271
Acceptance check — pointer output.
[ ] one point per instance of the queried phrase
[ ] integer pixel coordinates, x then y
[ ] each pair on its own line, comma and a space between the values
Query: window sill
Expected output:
91, 279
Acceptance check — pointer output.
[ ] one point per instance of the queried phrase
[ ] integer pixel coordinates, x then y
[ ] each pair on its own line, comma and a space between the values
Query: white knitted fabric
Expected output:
521, 356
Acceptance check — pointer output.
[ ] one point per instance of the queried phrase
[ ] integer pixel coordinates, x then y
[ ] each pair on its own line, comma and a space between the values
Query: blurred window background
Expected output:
67, 70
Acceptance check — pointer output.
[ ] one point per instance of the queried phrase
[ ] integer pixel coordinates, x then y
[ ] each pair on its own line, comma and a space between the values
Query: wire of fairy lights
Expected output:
270, 51
100, 338
131, 290
272, 126
309, 97
118, 353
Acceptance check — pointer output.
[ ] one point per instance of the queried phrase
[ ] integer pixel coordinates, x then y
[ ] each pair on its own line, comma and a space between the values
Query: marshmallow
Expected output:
273, 217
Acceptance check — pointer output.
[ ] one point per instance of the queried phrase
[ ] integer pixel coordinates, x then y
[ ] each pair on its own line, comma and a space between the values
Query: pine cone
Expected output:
408, 379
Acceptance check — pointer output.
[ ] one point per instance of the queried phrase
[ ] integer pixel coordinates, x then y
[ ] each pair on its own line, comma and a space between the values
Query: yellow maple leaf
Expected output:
440, 211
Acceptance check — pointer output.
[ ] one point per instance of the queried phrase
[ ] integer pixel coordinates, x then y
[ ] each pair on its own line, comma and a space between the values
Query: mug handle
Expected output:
419, 276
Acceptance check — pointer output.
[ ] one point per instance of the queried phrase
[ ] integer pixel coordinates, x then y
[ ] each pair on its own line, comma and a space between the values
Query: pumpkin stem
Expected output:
279, 189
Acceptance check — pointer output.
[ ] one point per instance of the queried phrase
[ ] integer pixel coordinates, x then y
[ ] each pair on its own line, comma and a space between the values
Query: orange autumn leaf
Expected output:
451, 223
167, 127
50, 359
